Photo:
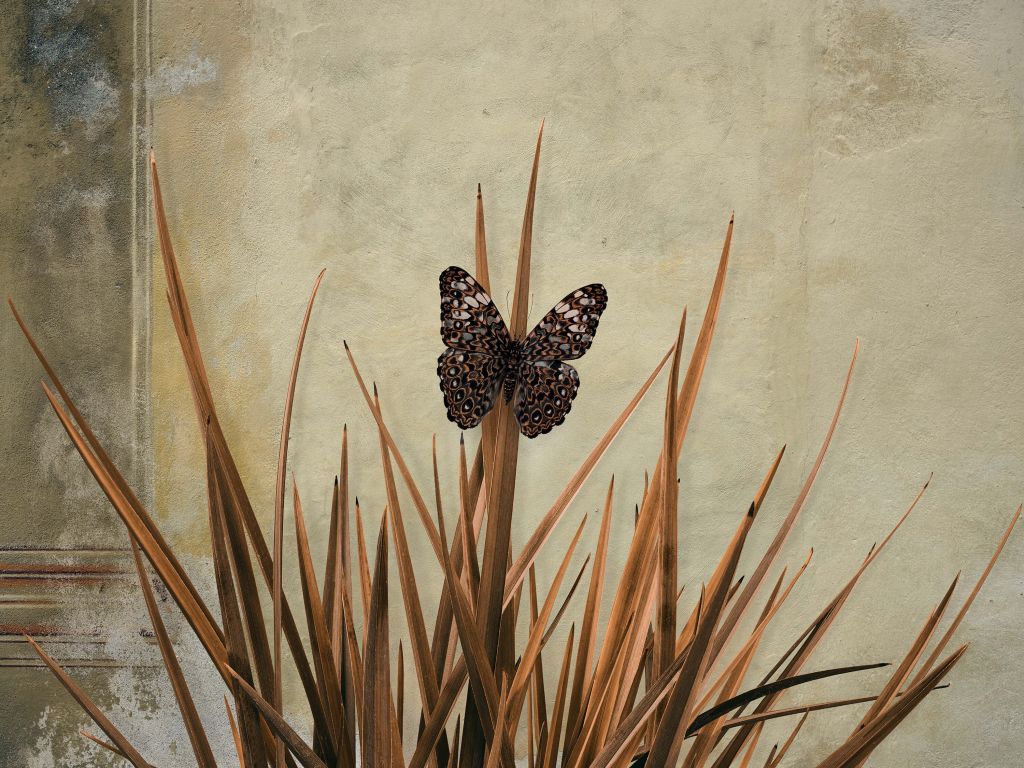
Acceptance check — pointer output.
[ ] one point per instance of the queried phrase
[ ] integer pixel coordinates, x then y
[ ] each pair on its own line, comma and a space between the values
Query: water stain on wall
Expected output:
879, 80
66, 244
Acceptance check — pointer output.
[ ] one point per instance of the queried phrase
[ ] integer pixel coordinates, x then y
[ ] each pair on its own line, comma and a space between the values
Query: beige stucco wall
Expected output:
872, 153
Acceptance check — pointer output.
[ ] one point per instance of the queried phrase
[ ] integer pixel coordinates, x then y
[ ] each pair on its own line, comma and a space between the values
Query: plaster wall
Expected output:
872, 152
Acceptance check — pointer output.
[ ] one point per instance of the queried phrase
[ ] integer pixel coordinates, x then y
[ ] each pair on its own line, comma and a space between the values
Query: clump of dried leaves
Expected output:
640, 686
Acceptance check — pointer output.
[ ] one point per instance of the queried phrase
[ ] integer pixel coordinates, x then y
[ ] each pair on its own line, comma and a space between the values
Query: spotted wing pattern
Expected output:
469, 320
567, 331
545, 393
470, 382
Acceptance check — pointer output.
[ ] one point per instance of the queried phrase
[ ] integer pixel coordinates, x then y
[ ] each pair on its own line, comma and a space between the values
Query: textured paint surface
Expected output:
872, 153
70, 248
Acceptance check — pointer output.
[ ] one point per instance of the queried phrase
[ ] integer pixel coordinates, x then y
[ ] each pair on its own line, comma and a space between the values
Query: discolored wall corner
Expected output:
74, 261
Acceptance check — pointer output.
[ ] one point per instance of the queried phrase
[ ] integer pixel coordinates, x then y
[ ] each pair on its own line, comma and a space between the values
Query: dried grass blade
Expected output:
500, 470
591, 614
774, 763
754, 583
861, 744
237, 651
668, 547
279, 495
500, 742
354, 665
668, 735
553, 624
464, 530
403, 469
400, 688
521, 295
332, 567
749, 646
319, 637
420, 644
702, 347
804, 646
451, 686
614, 747
774, 714
549, 759
376, 724
483, 276
948, 635
232, 535
534, 644
86, 703
202, 396
733, 676
910, 659
480, 673
456, 741
547, 524
538, 716
774, 687
195, 611
182, 694
364, 565
235, 735
110, 468
755, 737
481, 676
100, 742
302, 751
445, 637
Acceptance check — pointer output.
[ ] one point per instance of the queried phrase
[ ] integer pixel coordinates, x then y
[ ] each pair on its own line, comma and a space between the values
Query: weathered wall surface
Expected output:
872, 153
72, 252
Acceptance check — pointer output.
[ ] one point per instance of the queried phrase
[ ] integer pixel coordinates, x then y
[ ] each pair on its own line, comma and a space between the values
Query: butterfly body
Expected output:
483, 360
510, 377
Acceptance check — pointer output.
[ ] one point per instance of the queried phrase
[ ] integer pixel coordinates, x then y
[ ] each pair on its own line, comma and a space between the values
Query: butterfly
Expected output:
483, 359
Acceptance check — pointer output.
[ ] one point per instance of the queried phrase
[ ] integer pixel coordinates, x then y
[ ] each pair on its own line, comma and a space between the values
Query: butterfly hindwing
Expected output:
567, 331
545, 394
470, 382
469, 320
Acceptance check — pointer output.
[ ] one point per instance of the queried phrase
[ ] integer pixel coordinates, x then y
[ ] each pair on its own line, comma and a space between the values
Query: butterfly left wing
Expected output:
567, 331
545, 392
469, 320
469, 382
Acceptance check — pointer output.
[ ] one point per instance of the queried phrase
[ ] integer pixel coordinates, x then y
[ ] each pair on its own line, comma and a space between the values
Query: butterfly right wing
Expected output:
469, 320
470, 382
544, 395
567, 331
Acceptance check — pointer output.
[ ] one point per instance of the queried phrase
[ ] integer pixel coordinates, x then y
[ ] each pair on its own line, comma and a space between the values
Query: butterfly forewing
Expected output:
567, 331
545, 394
469, 319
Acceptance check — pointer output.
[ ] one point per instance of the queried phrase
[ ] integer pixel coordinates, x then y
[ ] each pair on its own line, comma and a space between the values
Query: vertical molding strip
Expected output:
141, 250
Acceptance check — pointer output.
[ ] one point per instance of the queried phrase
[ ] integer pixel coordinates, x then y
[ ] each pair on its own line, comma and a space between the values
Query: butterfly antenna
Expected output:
508, 303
